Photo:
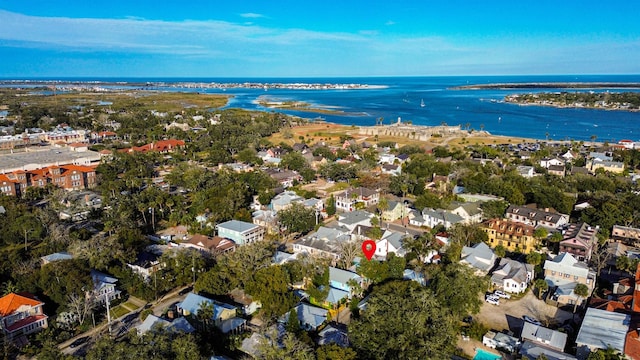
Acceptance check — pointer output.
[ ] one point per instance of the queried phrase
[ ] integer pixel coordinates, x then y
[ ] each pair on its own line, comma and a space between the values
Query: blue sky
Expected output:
199, 38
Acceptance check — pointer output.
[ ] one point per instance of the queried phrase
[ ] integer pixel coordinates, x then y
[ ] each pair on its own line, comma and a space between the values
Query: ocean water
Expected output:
401, 97
477, 109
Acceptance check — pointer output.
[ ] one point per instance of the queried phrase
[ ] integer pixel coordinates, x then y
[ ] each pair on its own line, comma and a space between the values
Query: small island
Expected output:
627, 101
303, 106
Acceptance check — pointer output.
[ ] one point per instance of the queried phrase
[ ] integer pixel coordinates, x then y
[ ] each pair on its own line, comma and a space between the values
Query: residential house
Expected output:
284, 200
498, 340
533, 351
396, 210
325, 242
222, 312
104, 287
599, 156
352, 219
626, 235
548, 162
479, 256
602, 329
575, 170
21, 314
512, 276
570, 155
557, 170
413, 275
213, 246
246, 304
579, 240
286, 178
346, 200
268, 219
241, 232
555, 340
536, 217
615, 167
147, 263
152, 322
434, 217
526, 171
333, 334
469, 211
563, 273
59, 256
391, 169
511, 235
390, 242
310, 317
340, 279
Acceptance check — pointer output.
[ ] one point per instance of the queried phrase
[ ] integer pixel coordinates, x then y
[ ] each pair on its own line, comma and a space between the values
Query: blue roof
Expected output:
192, 302
309, 316
335, 295
57, 257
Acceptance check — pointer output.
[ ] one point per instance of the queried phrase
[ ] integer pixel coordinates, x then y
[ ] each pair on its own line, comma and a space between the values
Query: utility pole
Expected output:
106, 299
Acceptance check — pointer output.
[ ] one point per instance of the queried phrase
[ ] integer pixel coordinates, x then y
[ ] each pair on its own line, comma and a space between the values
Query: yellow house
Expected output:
511, 235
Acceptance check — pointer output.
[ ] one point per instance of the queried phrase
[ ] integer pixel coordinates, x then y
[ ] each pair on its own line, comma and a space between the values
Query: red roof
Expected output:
632, 345
26, 321
12, 302
4, 177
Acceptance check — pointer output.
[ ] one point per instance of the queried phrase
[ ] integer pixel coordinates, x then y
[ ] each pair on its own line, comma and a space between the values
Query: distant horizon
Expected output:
82, 78
328, 39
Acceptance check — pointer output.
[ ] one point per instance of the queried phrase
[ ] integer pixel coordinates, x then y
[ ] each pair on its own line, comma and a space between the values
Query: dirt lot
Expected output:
508, 315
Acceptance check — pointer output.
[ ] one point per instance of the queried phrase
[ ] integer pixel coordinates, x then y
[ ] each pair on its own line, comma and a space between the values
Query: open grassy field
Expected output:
128, 100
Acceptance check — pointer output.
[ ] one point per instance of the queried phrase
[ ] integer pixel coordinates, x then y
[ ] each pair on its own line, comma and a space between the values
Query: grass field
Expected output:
122, 309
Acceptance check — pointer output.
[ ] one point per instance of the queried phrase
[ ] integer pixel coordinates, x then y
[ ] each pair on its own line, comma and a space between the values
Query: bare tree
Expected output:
600, 256
81, 305
349, 250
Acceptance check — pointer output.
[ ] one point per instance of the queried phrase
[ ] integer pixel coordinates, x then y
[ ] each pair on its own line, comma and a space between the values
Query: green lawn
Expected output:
122, 309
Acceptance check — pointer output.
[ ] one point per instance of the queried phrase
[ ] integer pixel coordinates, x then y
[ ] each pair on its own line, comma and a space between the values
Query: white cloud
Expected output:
252, 15
390, 22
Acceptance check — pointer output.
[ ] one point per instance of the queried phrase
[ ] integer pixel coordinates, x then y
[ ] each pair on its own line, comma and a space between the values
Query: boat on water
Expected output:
422, 103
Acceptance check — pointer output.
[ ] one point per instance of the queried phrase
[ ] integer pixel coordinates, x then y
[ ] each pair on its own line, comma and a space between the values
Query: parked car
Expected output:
79, 341
492, 300
502, 294
529, 319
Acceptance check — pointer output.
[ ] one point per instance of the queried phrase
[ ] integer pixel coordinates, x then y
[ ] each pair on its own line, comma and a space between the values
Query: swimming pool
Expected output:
485, 355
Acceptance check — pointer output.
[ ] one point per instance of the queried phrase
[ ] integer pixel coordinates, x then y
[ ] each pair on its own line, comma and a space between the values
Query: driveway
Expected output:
508, 315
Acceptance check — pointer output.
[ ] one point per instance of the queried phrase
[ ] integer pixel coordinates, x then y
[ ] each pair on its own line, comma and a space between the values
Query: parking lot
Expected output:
508, 315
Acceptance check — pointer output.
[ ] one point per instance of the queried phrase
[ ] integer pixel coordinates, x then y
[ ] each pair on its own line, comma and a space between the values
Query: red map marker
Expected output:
368, 248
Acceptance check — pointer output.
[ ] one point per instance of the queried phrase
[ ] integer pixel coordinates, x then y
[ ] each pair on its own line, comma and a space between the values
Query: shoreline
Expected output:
550, 85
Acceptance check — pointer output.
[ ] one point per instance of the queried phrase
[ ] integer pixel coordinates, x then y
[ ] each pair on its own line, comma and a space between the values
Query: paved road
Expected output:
157, 307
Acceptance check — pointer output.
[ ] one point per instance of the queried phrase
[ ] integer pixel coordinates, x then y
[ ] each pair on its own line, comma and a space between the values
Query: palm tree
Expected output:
581, 291
383, 205
541, 285
205, 313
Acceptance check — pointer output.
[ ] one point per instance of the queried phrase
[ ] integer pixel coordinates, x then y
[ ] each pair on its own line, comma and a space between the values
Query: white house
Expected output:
104, 287
391, 242
512, 276
241, 232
